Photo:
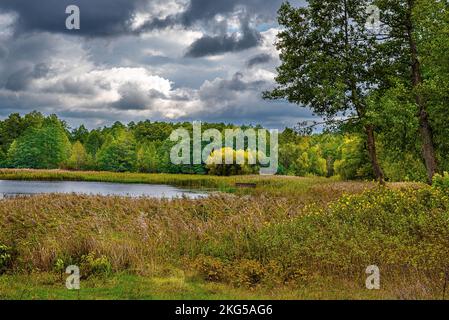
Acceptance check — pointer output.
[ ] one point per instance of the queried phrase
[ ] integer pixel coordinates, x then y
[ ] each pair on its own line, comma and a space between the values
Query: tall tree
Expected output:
41, 148
94, 142
433, 42
10, 129
327, 58
147, 158
401, 22
118, 154
79, 158
80, 134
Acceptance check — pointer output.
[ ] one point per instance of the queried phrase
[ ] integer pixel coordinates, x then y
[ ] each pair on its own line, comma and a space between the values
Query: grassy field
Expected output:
289, 238
267, 184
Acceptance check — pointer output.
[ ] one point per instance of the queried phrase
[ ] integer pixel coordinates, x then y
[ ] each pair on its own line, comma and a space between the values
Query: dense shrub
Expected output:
5, 258
94, 265
216, 163
441, 182
392, 228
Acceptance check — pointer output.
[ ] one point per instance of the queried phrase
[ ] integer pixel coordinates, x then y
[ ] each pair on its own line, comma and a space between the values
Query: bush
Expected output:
93, 265
248, 273
5, 258
210, 269
441, 182
354, 162
242, 273
217, 159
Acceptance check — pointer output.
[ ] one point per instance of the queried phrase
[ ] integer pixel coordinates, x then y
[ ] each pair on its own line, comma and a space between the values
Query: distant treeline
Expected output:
40, 142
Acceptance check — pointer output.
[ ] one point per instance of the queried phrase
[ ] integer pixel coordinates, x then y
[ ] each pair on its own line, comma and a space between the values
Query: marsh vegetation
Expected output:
287, 238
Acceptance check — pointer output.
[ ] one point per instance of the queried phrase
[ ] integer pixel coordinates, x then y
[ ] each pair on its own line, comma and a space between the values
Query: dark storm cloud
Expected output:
99, 17
20, 80
223, 90
75, 87
109, 17
133, 98
259, 59
213, 45
114, 17
3, 52
206, 10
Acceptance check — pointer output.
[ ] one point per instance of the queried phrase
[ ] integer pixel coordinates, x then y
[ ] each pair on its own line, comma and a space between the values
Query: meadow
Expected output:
288, 238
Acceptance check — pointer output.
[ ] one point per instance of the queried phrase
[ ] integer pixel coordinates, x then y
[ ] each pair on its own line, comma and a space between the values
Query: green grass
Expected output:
271, 185
194, 181
47, 286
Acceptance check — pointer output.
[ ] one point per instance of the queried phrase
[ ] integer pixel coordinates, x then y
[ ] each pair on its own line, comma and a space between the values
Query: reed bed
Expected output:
287, 233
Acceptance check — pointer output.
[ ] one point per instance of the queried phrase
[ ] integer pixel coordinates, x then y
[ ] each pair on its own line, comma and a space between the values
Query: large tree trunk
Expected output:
371, 144
428, 148
359, 105
425, 128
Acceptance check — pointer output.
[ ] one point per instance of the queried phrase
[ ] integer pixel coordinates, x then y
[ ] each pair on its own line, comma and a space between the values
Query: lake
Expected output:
10, 188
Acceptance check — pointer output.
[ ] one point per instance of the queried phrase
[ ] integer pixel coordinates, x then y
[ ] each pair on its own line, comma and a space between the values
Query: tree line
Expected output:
46, 142
40, 142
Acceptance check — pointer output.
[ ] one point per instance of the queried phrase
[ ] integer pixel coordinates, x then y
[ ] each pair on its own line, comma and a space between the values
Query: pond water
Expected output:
17, 188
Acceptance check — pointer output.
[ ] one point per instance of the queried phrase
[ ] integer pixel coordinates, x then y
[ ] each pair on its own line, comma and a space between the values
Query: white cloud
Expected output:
130, 78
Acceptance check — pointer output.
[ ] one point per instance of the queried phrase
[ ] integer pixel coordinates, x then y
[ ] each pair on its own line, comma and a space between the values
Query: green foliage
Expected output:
80, 134
118, 154
441, 182
79, 158
353, 163
5, 258
93, 265
14, 126
60, 266
404, 167
46, 147
94, 142
324, 61
216, 163
433, 30
147, 158
137, 148
308, 155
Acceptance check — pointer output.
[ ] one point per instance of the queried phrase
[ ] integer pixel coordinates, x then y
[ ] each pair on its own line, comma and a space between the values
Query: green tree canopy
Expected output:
327, 63
79, 158
46, 147
118, 154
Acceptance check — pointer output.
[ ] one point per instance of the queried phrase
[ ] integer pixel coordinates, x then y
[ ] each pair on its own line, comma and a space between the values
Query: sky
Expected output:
131, 60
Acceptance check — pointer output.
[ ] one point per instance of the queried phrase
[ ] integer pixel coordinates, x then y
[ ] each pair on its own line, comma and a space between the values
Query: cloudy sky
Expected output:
175, 60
